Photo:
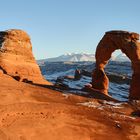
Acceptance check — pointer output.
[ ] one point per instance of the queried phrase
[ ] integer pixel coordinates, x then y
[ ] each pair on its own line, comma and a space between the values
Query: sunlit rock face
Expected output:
128, 43
16, 57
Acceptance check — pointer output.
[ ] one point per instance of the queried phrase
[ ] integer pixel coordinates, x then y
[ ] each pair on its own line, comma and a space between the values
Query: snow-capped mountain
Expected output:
79, 57
121, 58
72, 57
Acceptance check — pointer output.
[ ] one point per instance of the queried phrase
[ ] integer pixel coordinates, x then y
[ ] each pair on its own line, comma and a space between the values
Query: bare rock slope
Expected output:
31, 112
16, 58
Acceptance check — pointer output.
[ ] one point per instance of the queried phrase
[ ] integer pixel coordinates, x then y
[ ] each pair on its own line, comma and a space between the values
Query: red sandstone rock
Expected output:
128, 44
99, 75
1, 72
16, 58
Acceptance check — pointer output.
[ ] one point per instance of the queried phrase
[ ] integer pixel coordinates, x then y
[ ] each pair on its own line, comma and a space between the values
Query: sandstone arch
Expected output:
128, 43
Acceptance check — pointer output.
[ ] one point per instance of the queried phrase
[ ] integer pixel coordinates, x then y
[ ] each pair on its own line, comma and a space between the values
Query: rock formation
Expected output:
16, 58
77, 75
128, 43
98, 76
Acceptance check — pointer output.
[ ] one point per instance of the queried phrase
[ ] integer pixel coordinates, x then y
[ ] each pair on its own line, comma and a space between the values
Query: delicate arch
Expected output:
128, 43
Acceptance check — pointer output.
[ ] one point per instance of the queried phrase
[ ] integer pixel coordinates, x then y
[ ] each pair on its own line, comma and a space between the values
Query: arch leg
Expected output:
100, 81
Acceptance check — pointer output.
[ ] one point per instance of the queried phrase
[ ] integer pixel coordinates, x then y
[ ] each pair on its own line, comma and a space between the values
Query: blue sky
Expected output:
60, 26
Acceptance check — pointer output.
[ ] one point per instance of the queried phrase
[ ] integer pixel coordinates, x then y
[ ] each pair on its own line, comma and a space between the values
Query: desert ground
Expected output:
32, 112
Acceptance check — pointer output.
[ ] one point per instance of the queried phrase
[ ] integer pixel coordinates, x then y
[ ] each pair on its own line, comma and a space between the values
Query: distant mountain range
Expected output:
78, 57
73, 57
121, 58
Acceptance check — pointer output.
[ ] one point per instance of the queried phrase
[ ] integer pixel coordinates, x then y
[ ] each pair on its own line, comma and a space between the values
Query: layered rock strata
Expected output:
16, 57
